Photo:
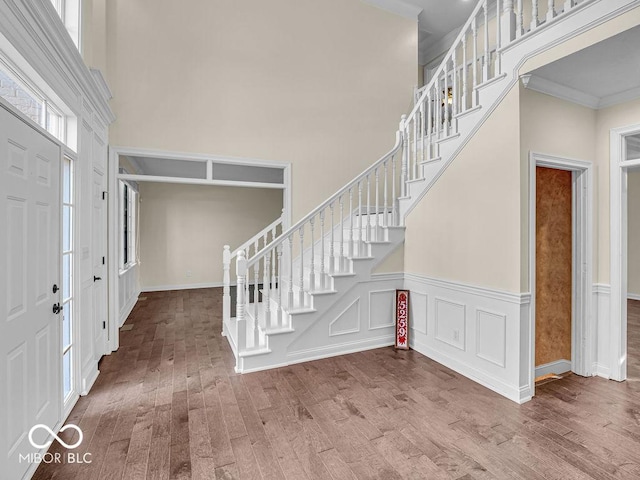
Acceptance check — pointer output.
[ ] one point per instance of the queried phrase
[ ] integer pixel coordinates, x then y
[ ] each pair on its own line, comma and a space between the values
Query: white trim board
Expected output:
398, 7
617, 328
557, 367
633, 296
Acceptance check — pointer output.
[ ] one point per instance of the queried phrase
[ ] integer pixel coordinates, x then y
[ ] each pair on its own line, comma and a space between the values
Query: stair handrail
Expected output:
436, 75
275, 224
304, 220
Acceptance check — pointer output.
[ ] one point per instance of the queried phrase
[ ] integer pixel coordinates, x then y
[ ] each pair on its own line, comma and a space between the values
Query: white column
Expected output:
226, 288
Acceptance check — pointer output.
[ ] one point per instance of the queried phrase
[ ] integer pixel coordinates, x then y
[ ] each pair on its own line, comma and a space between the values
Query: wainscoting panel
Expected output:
475, 331
381, 309
418, 312
450, 322
491, 338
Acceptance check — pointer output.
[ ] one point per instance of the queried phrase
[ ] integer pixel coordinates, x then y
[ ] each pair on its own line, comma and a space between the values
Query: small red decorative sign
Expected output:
402, 319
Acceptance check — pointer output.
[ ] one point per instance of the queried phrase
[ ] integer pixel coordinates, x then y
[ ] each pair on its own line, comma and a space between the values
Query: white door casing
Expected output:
30, 343
98, 240
583, 329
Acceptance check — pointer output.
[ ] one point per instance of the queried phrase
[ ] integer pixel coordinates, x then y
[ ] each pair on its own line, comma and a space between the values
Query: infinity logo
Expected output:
47, 429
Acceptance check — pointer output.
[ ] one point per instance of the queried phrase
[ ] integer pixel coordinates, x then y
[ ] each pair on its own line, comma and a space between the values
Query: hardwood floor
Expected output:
168, 404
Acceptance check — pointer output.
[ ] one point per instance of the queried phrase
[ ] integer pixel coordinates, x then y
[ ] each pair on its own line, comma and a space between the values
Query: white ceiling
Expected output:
436, 18
598, 76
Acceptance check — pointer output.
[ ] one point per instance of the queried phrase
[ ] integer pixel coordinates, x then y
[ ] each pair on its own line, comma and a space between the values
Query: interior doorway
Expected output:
560, 266
633, 268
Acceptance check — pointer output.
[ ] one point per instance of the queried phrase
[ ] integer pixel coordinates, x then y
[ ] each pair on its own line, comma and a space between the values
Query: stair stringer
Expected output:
492, 93
311, 337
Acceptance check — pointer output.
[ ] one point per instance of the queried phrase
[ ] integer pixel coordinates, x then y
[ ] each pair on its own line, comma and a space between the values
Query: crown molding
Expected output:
397, 7
543, 85
617, 98
102, 84
35, 30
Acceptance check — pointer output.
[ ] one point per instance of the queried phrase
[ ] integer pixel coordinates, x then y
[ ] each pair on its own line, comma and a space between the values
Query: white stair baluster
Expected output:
332, 260
367, 231
474, 32
241, 299
534, 14
498, 67
551, 11
454, 91
312, 269
290, 299
519, 19
414, 147
393, 190
405, 147
226, 288
322, 271
279, 313
487, 59
422, 132
301, 276
360, 224
256, 294
377, 209
508, 23
385, 216
464, 73
266, 291
273, 261
446, 98
350, 253
429, 126
341, 251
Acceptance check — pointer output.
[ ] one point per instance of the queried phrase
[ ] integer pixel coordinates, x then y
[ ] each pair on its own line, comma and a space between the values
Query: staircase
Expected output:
299, 295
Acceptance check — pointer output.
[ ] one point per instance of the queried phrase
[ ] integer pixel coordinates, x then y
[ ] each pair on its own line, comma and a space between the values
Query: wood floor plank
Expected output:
169, 404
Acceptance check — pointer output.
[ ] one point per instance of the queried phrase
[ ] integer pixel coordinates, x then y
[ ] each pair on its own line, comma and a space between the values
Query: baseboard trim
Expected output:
602, 371
340, 349
87, 383
633, 296
511, 392
126, 311
189, 286
559, 366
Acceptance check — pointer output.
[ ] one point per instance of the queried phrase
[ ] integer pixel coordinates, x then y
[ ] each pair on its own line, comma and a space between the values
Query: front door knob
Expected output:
57, 308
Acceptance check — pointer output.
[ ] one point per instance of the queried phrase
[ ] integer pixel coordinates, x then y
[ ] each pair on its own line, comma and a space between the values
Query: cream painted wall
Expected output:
633, 215
555, 127
466, 229
184, 228
320, 84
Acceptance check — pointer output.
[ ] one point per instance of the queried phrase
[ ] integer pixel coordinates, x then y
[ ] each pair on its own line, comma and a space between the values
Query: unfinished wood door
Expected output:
554, 255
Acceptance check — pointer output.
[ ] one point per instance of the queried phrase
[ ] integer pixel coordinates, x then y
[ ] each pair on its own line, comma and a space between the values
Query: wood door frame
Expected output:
619, 168
582, 332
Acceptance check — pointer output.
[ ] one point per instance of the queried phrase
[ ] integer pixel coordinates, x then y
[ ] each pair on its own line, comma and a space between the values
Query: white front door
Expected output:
98, 238
30, 352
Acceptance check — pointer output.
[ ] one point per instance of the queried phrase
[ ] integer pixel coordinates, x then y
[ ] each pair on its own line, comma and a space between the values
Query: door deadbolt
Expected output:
55, 288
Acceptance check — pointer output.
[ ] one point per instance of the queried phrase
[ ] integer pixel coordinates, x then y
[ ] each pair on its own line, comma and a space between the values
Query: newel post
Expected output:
241, 271
508, 24
226, 289
405, 156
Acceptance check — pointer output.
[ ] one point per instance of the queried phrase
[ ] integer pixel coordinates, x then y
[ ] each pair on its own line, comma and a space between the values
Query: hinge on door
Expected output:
103, 260
104, 325
104, 195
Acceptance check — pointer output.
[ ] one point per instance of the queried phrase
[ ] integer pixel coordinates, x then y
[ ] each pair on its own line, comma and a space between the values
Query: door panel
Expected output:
98, 236
29, 330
